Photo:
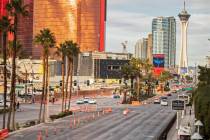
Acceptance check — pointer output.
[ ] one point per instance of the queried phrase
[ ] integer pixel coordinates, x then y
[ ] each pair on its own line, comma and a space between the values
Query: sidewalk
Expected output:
188, 120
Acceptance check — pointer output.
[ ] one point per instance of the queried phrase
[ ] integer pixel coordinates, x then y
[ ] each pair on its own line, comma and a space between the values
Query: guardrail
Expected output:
163, 134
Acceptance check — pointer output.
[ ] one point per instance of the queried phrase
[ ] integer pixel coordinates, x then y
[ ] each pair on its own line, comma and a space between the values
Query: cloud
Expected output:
126, 26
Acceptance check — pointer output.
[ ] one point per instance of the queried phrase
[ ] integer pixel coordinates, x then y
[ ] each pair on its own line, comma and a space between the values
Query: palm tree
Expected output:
47, 40
15, 9
72, 51
61, 51
128, 72
138, 65
5, 27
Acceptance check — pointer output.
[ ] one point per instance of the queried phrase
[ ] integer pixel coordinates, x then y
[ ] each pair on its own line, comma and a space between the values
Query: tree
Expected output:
47, 40
202, 100
72, 51
5, 27
61, 51
15, 9
128, 72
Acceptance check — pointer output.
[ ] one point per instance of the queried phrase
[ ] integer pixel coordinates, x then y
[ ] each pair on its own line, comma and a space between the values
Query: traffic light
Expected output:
34, 89
60, 83
157, 82
88, 82
75, 83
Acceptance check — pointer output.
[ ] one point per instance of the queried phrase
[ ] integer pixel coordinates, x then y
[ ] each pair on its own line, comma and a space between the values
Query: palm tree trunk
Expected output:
67, 82
70, 90
124, 97
138, 87
63, 83
14, 79
43, 87
5, 76
46, 88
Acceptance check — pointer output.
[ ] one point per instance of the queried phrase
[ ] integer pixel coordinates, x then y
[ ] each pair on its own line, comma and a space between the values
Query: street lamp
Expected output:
196, 136
198, 124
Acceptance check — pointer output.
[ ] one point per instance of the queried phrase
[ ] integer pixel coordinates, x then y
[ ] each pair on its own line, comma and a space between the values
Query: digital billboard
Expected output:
158, 63
158, 60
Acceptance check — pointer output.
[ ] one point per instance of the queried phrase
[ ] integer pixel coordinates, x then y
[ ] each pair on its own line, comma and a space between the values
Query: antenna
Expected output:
184, 4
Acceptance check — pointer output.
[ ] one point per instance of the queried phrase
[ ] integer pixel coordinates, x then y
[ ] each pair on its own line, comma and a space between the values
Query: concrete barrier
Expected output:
135, 103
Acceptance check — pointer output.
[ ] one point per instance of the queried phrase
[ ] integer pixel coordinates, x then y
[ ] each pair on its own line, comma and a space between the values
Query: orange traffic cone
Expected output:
74, 122
55, 131
46, 132
39, 136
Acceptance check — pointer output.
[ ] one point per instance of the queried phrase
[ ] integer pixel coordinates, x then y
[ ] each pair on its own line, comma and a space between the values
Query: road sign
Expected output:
178, 105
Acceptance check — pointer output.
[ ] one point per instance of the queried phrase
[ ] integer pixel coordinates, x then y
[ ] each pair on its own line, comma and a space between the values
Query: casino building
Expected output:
82, 21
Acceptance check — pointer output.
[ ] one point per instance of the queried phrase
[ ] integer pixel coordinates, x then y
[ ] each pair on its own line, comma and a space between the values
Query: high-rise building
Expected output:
149, 48
82, 21
183, 62
164, 39
141, 48
25, 31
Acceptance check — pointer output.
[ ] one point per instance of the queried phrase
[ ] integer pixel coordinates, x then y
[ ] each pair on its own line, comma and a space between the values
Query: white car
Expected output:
92, 101
2, 103
157, 101
86, 100
164, 102
80, 101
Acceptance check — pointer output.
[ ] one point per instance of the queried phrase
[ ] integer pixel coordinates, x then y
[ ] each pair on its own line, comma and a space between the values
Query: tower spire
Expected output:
184, 5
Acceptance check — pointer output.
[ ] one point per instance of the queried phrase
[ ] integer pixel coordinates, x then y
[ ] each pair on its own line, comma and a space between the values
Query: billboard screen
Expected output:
158, 63
158, 60
183, 70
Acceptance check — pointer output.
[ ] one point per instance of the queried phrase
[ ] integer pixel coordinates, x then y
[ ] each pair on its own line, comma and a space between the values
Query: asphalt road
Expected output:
142, 123
31, 111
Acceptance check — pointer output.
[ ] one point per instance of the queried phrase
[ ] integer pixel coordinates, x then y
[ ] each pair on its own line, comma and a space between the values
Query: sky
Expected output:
130, 20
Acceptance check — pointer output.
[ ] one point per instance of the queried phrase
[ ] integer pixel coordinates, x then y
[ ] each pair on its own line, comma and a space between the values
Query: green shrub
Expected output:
202, 108
60, 115
2, 110
166, 88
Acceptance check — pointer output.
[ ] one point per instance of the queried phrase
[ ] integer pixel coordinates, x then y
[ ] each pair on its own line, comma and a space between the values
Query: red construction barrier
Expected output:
4, 133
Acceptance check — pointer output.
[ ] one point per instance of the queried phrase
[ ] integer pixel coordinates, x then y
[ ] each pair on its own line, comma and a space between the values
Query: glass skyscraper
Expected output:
164, 39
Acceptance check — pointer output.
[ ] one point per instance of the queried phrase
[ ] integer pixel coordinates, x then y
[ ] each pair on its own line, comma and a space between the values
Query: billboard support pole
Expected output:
177, 120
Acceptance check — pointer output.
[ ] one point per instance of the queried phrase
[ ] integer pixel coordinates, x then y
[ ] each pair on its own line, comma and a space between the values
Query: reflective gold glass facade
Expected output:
60, 16
77, 20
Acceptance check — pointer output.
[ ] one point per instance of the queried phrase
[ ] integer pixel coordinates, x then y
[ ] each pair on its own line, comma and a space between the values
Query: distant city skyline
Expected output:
133, 20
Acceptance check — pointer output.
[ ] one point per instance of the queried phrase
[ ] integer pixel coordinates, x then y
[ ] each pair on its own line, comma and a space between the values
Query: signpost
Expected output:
178, 105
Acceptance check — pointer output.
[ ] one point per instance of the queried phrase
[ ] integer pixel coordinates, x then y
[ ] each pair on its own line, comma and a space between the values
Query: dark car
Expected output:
169, 94
116, 96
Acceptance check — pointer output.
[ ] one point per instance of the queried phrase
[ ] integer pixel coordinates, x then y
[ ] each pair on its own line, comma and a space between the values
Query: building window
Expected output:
109, 67
116, 68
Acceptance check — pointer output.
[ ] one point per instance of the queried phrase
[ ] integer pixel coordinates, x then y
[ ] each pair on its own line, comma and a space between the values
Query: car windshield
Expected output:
163, 98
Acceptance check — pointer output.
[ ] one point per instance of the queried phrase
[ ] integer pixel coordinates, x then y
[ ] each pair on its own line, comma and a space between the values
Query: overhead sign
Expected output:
178, 105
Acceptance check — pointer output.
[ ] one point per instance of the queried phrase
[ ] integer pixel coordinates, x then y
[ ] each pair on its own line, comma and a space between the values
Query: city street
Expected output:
146, 122
31, 111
